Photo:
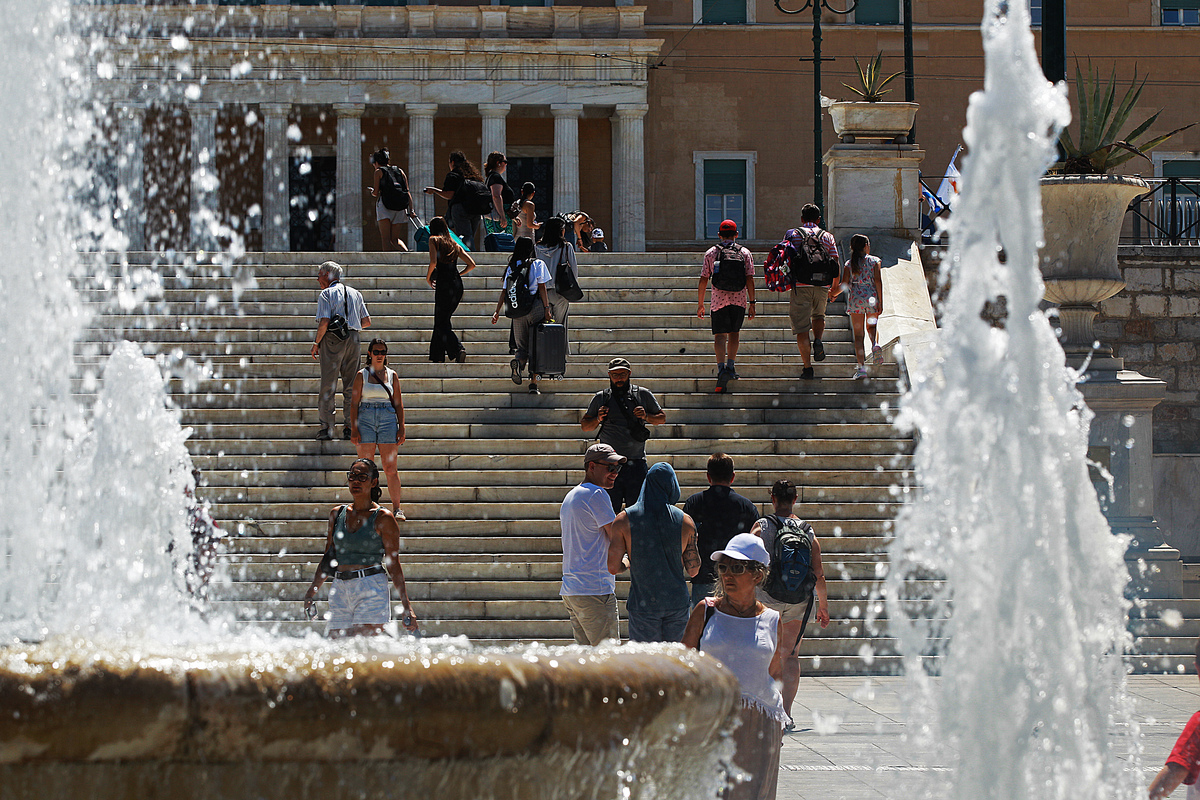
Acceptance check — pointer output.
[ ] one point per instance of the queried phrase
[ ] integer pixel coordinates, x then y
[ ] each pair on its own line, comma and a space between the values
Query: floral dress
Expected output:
861, 298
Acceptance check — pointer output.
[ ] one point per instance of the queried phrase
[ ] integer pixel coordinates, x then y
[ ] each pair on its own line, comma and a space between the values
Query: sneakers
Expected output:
732, 370
533, 389
346, 433
324, 436
807, 374
876, 350
790, 725
860, 373
515, 365
461, 357
818, 348
723, 377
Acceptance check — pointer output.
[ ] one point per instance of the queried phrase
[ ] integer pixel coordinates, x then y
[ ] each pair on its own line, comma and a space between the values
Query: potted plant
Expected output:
1083, 204
870, 117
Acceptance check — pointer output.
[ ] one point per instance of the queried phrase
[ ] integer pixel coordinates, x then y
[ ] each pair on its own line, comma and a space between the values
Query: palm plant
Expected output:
1099, 150
870, 87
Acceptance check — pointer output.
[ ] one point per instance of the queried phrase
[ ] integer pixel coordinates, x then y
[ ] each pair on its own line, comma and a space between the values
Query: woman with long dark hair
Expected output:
524, 213
458, 216
390, 220
446, 281
864, 298
364, 541
525, 275
377, 416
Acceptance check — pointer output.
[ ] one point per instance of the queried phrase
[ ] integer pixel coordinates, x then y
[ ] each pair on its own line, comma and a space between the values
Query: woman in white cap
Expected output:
743, 634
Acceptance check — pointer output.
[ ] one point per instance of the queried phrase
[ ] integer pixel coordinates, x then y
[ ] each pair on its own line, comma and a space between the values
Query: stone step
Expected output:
361, 263
335, 462
821, 398
311, 547
471, 492
508, 589
219, 483
539, 509
315, 528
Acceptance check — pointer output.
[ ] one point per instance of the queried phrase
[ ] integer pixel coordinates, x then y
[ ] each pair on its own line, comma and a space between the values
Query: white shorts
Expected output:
382, 212
359, 601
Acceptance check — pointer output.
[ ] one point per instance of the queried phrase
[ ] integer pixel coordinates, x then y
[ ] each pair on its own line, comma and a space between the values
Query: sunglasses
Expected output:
358, 476
378, 352
733, 569
613, 468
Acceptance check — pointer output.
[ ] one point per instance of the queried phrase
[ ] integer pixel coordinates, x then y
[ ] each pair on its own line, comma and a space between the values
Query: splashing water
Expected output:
1028, 628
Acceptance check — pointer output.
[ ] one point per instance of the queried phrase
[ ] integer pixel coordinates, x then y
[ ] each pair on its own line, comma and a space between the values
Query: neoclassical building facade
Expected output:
659, 120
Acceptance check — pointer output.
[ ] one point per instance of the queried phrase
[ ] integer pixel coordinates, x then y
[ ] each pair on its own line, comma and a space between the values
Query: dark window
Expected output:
540, 172
1180, 12
1035, 12
723, 12
1181, 168
724, 193
313, 183
877, 12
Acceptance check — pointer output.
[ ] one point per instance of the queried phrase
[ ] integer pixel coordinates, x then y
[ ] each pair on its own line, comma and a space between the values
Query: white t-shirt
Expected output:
538, 273
586, 509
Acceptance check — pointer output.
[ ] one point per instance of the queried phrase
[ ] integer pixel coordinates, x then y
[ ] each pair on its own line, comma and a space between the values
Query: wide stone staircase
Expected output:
486, 465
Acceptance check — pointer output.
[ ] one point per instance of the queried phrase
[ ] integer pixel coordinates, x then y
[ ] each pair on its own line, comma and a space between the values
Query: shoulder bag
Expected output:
565, 282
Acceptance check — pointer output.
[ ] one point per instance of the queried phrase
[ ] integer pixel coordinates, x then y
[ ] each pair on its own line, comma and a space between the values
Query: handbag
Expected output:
565, 282
499, 238
339, 326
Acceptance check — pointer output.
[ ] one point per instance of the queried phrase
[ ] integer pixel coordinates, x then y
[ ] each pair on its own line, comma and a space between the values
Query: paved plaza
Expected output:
849, 739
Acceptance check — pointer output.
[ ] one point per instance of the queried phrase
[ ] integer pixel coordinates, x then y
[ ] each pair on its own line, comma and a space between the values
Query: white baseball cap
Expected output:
745, 547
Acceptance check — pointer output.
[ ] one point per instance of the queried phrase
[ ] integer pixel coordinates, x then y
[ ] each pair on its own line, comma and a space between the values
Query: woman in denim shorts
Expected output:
364, 541
377, 416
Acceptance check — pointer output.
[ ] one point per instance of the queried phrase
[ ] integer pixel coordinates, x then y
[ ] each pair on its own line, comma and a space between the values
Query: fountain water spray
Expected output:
1028, 628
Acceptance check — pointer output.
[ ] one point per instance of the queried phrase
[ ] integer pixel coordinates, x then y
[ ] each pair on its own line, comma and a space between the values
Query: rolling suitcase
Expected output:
549, 355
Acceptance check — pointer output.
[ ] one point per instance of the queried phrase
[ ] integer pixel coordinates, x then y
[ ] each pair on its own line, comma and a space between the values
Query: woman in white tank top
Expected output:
377, 417
743, 635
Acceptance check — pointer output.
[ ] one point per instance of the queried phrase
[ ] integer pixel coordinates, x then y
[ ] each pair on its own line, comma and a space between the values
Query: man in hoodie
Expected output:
657, 542
623, 413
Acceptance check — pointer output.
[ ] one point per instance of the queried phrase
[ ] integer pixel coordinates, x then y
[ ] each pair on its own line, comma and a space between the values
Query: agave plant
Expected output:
870, 87
1099, 150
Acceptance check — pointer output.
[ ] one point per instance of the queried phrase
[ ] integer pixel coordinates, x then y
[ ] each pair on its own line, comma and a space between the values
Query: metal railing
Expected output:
1169, 214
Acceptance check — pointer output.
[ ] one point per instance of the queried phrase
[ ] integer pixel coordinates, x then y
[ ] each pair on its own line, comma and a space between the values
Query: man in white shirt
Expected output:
339, 357
589, 591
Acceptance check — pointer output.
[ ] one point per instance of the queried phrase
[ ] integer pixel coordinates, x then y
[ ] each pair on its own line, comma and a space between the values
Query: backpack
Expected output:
777, 267
729, 269
811, 265
518, 300
791, 578
476, 197
393, 189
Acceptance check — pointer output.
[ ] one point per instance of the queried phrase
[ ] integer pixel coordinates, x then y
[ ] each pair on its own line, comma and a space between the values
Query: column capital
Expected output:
632, 110
349, 109
567, 109
421, 109
275, 109
494, 110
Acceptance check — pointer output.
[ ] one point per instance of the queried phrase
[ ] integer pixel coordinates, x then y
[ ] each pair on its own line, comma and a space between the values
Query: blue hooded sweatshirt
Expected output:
656, 557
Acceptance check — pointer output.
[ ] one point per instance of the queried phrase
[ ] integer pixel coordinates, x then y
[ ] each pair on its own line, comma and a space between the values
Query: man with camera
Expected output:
623, 413
341, 317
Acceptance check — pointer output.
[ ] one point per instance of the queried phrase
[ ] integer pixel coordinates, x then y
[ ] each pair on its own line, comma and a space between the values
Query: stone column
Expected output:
276, 208
205, 183
495, 127
566, 156
349, 235
629, 178
420, 158
131, 173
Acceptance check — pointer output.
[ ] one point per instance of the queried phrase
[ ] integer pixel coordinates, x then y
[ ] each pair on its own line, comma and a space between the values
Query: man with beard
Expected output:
623, 413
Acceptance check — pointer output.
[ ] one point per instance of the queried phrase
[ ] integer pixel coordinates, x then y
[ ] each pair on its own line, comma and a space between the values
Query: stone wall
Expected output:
1154, 324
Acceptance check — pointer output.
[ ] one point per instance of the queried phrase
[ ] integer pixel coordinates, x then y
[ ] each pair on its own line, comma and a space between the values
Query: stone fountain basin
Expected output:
74, 707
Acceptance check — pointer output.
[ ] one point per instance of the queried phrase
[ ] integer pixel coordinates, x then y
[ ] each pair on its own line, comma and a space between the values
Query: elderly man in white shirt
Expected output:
339, 356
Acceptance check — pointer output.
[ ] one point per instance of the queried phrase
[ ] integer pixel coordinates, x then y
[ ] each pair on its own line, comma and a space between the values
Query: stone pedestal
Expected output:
1122, 442
873, 189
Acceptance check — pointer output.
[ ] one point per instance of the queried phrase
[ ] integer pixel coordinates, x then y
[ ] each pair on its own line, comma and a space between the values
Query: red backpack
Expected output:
778, 267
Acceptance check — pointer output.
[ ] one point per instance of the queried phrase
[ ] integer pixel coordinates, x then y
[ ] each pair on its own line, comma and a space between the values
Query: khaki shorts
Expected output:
805, 304
789, 612
593, 617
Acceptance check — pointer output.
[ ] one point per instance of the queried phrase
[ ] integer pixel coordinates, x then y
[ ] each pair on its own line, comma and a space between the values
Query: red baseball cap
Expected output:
728, 226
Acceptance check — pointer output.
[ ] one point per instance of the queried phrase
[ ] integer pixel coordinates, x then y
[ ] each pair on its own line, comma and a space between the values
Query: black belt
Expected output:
359, 573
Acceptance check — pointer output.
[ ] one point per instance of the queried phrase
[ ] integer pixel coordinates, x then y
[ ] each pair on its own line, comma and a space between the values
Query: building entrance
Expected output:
313, 211
540, 171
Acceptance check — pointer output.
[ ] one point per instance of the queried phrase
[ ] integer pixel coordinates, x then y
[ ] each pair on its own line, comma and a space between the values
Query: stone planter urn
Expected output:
1081, 219
859, 120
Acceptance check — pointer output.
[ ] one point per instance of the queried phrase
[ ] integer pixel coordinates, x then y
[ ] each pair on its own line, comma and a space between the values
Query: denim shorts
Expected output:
377, 423
359, 601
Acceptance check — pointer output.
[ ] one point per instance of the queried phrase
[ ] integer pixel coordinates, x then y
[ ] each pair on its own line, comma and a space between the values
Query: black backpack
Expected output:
729, 269
393, 188
476, 197
811, 264
791, 578
518, 300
